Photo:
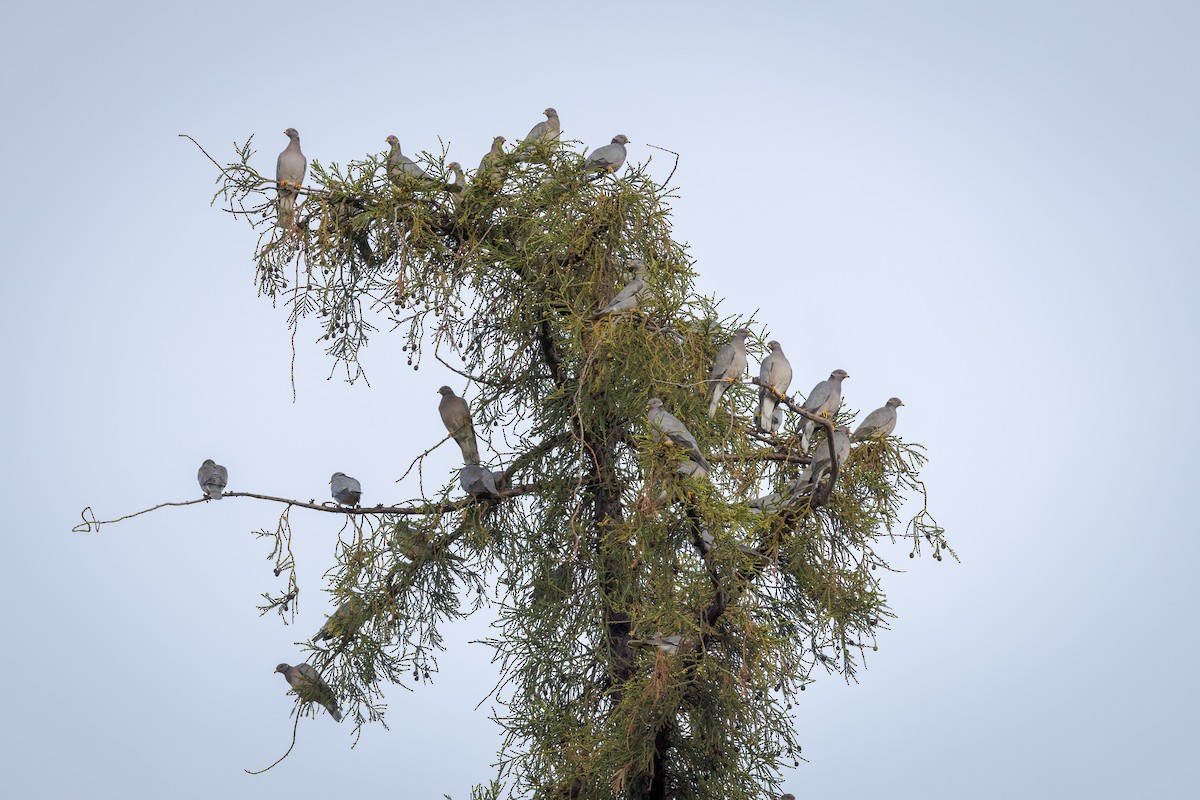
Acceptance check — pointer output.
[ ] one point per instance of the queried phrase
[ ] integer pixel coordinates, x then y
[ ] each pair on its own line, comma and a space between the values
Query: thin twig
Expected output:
295, 725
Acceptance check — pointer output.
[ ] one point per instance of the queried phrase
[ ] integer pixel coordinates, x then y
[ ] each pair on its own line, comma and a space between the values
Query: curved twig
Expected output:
295, 726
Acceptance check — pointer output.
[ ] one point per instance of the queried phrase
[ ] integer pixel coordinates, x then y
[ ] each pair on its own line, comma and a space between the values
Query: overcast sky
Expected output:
1000, 196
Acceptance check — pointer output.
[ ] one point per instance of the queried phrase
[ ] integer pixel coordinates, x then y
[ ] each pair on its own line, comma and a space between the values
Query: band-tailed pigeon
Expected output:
730, 364
289, 174
456, 416
824, 399
776, 372
664, 423
213, 478
311, 687
610, 157
346, 490
491, 167
821, 462
478, 481
340, 622
460, 182
545, 131
880, 422
629, 297
401, 167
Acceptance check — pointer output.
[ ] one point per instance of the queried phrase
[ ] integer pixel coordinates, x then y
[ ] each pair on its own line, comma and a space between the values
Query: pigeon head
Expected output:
337, 475
392, 140
773, 345
499, 140
838, 374
550, 112
283, 667
454, 165
208, 462
620, 138
894, 402
446, 391
654, 403
741, 333
291, 133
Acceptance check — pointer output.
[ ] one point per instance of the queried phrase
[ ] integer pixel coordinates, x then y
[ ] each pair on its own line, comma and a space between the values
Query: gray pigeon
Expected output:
668, 644
689, 467
311, 687
491, 167
880, 422
629, 297
730, 364
824, 399
289, 174
460, 182
339, 622
546, 131
610, 157
213, 478
346, 490
776, 372
456, 416
401, 167
664, 423
478, 481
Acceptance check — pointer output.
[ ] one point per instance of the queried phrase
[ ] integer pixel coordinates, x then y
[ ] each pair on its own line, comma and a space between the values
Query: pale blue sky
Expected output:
1000, 198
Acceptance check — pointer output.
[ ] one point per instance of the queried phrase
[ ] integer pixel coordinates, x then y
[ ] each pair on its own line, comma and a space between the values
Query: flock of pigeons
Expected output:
775, 377
292, 165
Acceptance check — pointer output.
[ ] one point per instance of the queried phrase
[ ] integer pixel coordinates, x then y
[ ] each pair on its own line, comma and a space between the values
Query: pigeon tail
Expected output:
468, 444
333, 712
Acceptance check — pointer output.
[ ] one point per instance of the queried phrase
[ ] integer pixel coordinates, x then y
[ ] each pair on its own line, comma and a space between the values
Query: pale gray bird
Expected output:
478, 481
491, 166
341, 622
629, 297
310, 687
213, 478
460, 182
776, 372
610, 157
289, 174
664, 423
689, 467
824, 399
730, 364
456, 416
401, 167
346, 490
880, 422
668, 644
545, 131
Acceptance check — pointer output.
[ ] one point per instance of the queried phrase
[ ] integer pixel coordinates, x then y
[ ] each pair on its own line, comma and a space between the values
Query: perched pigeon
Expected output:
311, 687
880, 422
339, 622
776, 372
289, 174
824, 399
689, 467
478, 481
460, 182
730, 364
491, 166
610, 157
401, 167
546, 131
708, 541
346, 490
212, 477
629, 297
668, 644
457, 419
664, 423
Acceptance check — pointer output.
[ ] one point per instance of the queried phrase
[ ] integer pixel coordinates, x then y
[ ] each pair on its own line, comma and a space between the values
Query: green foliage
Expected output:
602, 543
